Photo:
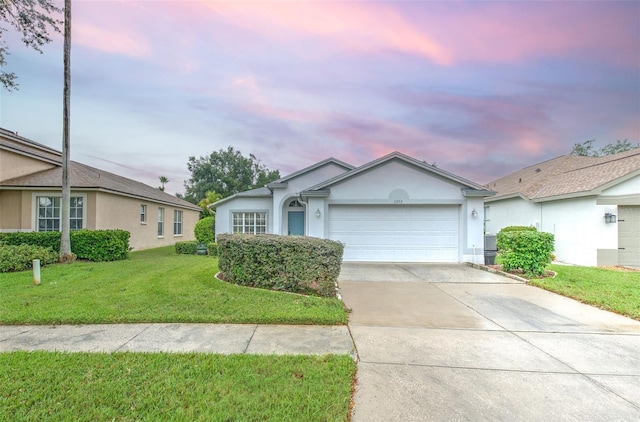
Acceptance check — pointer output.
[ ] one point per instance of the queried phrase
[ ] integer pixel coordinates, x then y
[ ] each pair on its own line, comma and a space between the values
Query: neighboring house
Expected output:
591, 205
30, 192
395, 208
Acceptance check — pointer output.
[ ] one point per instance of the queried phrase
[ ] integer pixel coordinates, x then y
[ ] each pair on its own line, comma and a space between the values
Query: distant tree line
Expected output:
586, 148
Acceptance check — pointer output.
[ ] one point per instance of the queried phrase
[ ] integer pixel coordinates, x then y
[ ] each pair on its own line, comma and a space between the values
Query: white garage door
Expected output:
396, 233
629, 235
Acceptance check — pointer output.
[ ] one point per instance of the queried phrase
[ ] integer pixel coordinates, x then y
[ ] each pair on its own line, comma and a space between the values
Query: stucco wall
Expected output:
579, 229
393, 179
20, 165
101, 211
577, 224
511, 212
10, 210
282, 196
114, 211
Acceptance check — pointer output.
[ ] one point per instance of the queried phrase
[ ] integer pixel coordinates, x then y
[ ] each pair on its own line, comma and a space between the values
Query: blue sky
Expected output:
480, 88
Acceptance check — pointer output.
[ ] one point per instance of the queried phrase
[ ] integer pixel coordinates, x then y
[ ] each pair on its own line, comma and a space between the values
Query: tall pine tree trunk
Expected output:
65, 242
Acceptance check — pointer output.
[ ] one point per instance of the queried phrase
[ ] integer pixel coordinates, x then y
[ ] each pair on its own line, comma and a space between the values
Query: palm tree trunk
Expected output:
65, 242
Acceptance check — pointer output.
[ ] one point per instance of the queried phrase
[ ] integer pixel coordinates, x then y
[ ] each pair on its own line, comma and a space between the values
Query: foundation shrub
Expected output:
20, 257
187, 247
294, 264
94, 245
527, 250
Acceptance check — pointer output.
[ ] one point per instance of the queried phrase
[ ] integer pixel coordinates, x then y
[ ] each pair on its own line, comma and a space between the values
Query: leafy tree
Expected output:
586, 148
226, 172
32, 19
618, 146
211, 198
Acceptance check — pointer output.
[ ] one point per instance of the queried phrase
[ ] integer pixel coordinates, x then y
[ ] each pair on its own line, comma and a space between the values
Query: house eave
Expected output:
477, 193
322, 193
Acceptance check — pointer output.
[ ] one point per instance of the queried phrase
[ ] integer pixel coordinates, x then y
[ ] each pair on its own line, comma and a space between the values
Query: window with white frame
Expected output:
143, 213
160, 222
49, 213
250, 222
177, 223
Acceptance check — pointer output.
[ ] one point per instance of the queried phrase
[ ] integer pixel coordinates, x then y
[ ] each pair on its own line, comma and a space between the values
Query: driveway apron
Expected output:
450, 342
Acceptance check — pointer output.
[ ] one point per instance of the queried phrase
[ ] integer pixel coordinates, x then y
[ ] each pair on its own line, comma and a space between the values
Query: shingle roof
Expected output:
11, 141
568, 175
81, 176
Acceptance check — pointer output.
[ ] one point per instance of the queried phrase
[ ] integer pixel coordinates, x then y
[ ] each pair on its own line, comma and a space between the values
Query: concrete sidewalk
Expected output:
201, 338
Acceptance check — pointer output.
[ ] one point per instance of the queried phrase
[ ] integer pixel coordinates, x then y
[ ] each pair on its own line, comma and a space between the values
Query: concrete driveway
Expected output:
450, 342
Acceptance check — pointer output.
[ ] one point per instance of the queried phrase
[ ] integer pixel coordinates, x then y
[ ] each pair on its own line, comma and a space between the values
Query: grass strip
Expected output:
612, 290
40, 386
152, 286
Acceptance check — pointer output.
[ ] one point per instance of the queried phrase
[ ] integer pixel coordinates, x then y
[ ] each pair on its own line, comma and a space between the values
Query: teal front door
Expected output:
296, 223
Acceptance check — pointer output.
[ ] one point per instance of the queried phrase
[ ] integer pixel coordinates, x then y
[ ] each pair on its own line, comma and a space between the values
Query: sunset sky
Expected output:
480, 88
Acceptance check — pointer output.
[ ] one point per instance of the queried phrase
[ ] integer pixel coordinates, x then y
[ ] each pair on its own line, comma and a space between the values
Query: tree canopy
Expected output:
225, 172
587, 149
33, 20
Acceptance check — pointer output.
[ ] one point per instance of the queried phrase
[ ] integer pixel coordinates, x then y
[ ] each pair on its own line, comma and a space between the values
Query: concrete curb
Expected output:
494, 271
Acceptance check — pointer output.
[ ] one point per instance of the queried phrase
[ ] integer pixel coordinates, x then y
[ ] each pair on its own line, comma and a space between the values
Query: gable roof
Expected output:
469, 188
568, 176
284, 180
81, 176
11, 141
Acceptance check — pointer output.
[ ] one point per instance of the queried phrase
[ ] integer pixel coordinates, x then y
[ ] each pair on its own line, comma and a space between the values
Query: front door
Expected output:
296, 223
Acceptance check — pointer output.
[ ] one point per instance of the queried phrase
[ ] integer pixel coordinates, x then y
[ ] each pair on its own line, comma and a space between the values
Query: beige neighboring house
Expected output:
30, 193
590, 204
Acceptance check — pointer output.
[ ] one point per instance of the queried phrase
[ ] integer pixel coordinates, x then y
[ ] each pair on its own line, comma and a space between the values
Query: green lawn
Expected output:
615, 291
40, 386
152, 286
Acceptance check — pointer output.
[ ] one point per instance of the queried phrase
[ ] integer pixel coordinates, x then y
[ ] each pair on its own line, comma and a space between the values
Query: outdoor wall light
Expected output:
318, 213
609, 218
474, 213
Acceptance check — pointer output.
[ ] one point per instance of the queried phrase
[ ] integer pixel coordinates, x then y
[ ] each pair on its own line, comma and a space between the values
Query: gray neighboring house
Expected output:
31, 188
395, 208
590, 204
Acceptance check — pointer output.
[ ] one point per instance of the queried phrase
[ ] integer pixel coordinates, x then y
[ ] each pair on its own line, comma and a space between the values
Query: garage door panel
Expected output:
629, 235
396, 233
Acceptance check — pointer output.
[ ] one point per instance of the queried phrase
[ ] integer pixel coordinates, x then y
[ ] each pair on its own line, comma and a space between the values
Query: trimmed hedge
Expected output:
189, 247
518, 229
212, 249
205, 230
526, 250
20, 257
94, 245
100, 245
295, 264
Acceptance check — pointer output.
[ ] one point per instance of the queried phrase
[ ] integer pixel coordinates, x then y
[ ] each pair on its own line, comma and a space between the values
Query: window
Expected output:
143, 213
75, 213
177, 223
250, 222
49, 213
160, 222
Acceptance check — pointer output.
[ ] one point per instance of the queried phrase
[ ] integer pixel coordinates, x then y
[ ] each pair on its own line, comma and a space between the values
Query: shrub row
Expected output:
20, 257
526, 250
94, 245
290, 263
190, 247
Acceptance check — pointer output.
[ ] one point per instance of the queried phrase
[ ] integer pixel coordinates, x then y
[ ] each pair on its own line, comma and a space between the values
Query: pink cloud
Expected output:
449, 33
354, 26
109, 40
